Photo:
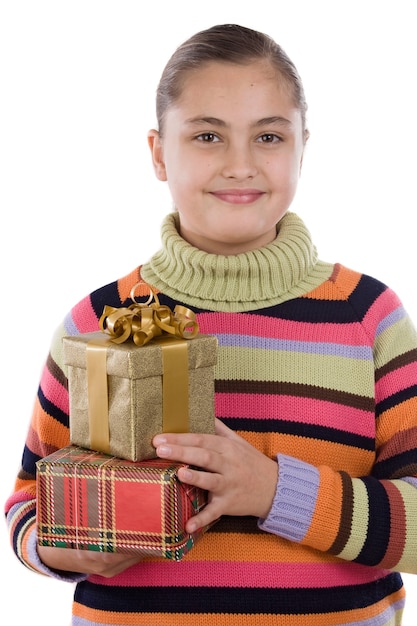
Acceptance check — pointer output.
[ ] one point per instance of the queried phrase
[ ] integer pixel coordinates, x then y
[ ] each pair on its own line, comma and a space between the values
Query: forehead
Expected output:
219, 83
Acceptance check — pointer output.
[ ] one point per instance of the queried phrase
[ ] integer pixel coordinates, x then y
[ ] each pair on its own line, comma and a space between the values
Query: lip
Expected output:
238, 196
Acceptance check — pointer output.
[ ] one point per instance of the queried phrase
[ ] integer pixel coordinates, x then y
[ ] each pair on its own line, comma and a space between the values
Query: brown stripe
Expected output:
398, 530
295, 389
396, 363
405, 470
56, 371
399, 441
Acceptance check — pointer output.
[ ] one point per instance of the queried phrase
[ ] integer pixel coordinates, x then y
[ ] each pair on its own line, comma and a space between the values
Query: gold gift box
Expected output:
144, 393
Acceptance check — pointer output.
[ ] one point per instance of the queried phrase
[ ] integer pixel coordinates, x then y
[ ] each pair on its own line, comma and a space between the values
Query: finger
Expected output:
196, 440
207, 516
209, 481
199, 457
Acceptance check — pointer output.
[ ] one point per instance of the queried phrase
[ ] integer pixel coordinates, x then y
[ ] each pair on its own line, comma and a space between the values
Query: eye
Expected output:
269, 138
207, 138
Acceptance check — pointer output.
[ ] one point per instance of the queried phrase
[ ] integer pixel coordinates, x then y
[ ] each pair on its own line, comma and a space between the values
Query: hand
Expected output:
239, 478
105, 564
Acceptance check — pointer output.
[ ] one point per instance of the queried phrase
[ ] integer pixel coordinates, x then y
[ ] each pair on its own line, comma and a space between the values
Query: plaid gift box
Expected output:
91, 501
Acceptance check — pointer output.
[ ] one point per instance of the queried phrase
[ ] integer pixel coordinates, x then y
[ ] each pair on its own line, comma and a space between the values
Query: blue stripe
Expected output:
391, 319
70, 326
287, 345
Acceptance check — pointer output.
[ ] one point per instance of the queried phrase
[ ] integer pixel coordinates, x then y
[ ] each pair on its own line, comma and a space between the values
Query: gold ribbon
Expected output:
98, 395
142, 323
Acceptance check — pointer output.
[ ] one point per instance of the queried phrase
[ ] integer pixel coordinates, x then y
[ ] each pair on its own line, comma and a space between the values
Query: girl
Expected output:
312, 472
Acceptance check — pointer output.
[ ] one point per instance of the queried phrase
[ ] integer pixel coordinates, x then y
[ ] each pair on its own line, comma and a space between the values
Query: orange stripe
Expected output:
24, 545
353, 460
28, 486
329, 290
329, 496
392, 420
263, 547
125, 284
46, 429
53, 433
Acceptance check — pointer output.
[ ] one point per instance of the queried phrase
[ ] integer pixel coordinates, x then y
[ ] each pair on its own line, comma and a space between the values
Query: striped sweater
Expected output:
317, 367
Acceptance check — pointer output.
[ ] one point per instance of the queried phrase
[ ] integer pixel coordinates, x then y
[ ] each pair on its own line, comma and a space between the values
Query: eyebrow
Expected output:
275, 119
265, 121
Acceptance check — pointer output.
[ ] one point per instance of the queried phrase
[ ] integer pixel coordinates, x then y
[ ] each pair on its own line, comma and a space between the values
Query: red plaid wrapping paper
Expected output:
92, 501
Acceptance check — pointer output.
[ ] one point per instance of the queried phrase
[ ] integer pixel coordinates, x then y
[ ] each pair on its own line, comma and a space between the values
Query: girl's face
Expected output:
231, 153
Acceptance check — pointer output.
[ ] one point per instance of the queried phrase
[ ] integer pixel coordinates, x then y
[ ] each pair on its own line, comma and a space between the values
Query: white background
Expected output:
80, 205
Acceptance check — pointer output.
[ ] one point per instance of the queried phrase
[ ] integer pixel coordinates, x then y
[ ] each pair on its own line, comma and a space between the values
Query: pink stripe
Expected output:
18, 498
271, 327
84, 317
54, 391
300, 410
385, 304
396, 381
242, 574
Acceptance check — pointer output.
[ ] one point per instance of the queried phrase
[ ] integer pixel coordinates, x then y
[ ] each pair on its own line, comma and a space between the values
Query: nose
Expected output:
239, 162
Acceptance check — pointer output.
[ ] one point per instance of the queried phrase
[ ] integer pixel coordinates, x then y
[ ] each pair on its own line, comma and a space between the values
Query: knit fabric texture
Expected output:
317, 368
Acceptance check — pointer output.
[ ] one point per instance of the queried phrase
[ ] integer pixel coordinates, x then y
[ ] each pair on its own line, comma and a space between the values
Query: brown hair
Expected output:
227, 43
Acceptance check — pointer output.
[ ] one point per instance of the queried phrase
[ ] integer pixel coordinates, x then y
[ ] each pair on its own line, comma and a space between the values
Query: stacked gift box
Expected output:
106, 491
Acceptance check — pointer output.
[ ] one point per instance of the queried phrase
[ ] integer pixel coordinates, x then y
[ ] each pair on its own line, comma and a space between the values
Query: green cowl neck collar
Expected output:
286, 268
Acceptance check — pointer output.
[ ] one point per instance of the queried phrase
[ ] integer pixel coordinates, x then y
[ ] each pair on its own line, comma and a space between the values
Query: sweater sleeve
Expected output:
370, 519
48, 431
49, 426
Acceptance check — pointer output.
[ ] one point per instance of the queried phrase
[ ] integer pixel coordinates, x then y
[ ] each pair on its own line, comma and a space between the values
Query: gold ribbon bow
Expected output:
144, 321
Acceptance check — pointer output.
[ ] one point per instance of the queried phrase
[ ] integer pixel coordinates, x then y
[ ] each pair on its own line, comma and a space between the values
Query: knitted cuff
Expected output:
71, 577
295, 499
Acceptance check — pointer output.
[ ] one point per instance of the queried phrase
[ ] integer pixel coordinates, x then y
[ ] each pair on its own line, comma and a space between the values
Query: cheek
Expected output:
182, 185
192, 176
293, 168
284, 173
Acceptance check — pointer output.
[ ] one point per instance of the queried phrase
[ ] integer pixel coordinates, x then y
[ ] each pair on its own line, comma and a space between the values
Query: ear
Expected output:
155, 145
301, 164
306, 137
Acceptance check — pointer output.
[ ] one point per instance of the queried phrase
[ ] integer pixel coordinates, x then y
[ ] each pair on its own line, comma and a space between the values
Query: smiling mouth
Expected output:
238, 196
